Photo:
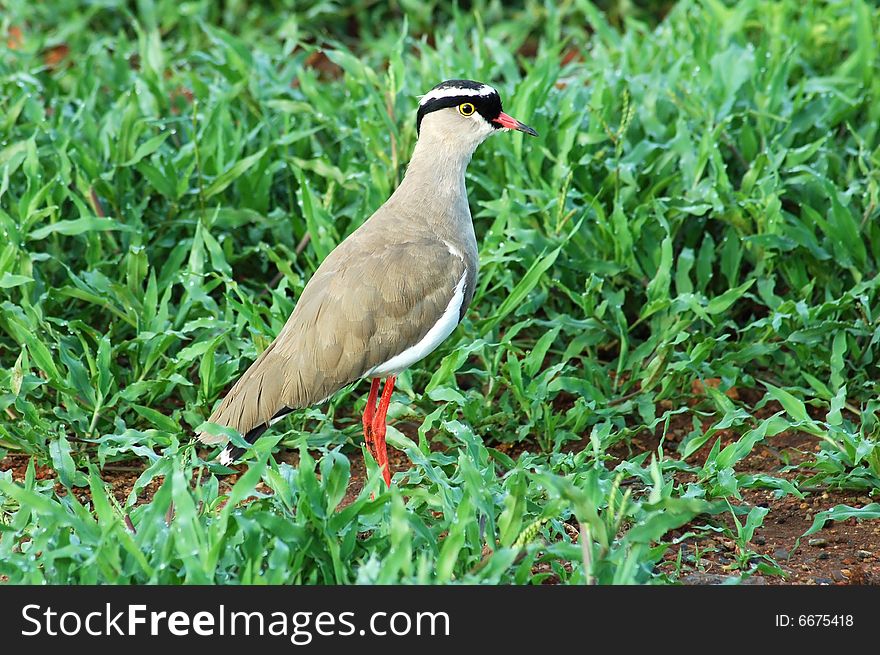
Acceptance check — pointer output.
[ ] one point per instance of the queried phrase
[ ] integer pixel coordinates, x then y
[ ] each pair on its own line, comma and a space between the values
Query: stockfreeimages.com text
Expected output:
300, 627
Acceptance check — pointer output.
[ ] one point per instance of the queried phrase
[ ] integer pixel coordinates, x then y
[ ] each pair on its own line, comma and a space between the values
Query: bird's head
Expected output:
464, 111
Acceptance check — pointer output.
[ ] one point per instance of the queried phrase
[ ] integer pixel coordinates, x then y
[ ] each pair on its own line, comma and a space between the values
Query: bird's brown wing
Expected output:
368, 301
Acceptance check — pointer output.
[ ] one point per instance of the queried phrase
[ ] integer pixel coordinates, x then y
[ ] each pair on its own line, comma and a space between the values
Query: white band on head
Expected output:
451, 91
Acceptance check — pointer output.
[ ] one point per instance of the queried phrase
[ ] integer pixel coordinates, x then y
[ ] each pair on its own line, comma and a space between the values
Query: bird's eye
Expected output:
466, 109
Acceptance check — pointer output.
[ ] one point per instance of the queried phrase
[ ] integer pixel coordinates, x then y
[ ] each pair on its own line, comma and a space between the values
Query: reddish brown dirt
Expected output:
122, 478
397, 462
842, 553
846, 552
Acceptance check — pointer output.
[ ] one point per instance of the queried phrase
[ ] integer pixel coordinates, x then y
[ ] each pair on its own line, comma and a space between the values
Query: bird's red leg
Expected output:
369, 413
379, 428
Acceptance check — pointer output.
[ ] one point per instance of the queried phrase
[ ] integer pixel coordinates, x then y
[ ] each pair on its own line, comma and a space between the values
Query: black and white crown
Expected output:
452, 93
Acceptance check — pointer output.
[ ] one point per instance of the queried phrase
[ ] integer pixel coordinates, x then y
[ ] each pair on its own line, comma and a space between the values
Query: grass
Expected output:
695, 236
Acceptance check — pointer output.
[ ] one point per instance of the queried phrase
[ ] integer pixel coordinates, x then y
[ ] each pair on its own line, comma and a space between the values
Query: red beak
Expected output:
510, 123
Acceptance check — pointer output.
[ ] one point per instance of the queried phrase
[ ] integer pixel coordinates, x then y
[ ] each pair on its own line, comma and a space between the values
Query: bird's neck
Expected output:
435, 175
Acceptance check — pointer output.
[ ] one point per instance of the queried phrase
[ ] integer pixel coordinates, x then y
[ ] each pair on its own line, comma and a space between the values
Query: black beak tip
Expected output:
527, 130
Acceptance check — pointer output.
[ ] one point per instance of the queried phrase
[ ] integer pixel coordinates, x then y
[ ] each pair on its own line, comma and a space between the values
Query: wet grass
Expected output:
696, 233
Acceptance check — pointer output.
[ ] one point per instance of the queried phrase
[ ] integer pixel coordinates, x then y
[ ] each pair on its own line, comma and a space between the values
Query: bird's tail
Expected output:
232, 453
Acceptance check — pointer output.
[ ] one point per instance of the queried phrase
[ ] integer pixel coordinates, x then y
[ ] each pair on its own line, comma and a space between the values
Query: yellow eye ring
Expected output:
466, 109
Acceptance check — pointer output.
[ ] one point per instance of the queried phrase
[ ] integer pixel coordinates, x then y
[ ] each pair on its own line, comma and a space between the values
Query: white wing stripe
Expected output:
435, 336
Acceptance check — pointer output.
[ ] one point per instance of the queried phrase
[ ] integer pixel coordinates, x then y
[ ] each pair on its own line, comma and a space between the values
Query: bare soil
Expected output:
842, 553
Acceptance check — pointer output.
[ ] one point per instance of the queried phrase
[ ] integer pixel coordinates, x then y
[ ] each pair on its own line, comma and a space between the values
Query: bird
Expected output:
389, 294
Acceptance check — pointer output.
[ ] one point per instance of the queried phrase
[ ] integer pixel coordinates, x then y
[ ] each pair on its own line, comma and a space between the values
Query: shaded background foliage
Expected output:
701, 208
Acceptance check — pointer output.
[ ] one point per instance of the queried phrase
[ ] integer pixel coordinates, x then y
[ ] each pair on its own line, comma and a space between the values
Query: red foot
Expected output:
379, 425
369, 413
